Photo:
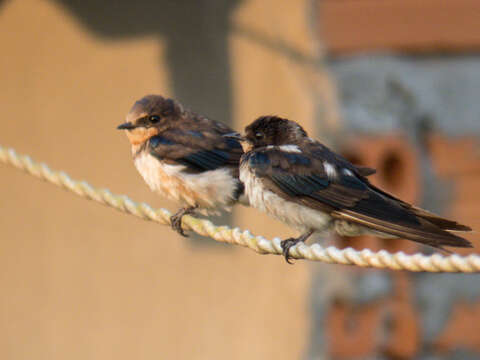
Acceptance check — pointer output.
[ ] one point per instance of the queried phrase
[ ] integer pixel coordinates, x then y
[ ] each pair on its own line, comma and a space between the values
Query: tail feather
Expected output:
425, 232
438, 221
442, 223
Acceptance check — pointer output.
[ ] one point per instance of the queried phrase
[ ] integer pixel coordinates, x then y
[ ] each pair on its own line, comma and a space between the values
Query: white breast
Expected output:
300, 217
209, 189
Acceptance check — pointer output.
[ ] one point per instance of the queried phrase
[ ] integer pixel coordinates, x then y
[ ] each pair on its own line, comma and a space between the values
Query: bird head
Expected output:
149, 116
271, 130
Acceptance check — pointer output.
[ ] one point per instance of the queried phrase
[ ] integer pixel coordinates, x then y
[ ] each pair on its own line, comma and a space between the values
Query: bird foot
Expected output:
286, 245
176, 219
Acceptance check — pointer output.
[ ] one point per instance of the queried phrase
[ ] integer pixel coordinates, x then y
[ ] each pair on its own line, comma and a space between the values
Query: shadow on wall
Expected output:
196, 34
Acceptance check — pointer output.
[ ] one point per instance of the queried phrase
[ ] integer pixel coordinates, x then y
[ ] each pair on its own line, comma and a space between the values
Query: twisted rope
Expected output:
365, 258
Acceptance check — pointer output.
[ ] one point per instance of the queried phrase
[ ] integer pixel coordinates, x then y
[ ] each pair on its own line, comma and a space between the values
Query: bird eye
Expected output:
259, 135
154, 119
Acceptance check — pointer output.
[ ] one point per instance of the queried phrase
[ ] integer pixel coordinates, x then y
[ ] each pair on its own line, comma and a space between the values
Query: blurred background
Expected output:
392, 84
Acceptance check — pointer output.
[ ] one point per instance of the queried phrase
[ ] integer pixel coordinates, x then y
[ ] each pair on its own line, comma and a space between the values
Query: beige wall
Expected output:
81, 281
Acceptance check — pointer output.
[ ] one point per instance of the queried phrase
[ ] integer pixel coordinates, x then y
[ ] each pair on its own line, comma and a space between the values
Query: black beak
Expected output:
126, 126
234, 135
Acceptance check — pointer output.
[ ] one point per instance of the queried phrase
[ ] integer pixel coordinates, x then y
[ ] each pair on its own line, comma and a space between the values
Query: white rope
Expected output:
365, 258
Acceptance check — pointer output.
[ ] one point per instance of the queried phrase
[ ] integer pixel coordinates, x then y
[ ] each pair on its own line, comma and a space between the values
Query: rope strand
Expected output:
331, 255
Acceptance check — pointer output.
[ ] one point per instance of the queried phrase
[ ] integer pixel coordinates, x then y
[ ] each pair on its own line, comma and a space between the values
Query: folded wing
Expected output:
197, 150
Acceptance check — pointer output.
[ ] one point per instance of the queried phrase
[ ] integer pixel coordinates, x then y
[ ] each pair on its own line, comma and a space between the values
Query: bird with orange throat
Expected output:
184, 156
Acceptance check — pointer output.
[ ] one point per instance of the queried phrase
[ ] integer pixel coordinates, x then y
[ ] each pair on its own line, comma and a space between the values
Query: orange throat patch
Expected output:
140, 135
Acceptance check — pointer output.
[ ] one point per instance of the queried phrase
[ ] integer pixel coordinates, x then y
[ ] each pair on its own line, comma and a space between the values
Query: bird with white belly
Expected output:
307, 186
184, 156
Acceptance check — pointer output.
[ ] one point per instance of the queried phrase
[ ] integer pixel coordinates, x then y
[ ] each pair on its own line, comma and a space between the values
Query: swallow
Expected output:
304, 184
184, 156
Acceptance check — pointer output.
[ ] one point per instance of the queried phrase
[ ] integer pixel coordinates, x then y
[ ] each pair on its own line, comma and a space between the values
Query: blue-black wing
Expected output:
197, 150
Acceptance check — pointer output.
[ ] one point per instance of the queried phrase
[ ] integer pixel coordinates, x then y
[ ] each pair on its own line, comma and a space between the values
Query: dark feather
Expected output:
205, 160
424, 232
198, 150
442, 223
365, 171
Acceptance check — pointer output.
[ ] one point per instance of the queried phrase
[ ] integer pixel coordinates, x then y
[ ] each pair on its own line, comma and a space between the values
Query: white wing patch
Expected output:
290, 148
330, 170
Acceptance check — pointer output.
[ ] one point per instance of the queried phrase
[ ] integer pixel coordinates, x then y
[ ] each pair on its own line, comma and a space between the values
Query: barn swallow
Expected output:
307, 186
184, 156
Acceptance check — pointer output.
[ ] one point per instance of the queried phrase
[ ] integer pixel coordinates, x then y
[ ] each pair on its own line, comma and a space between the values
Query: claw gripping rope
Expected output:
365, 258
